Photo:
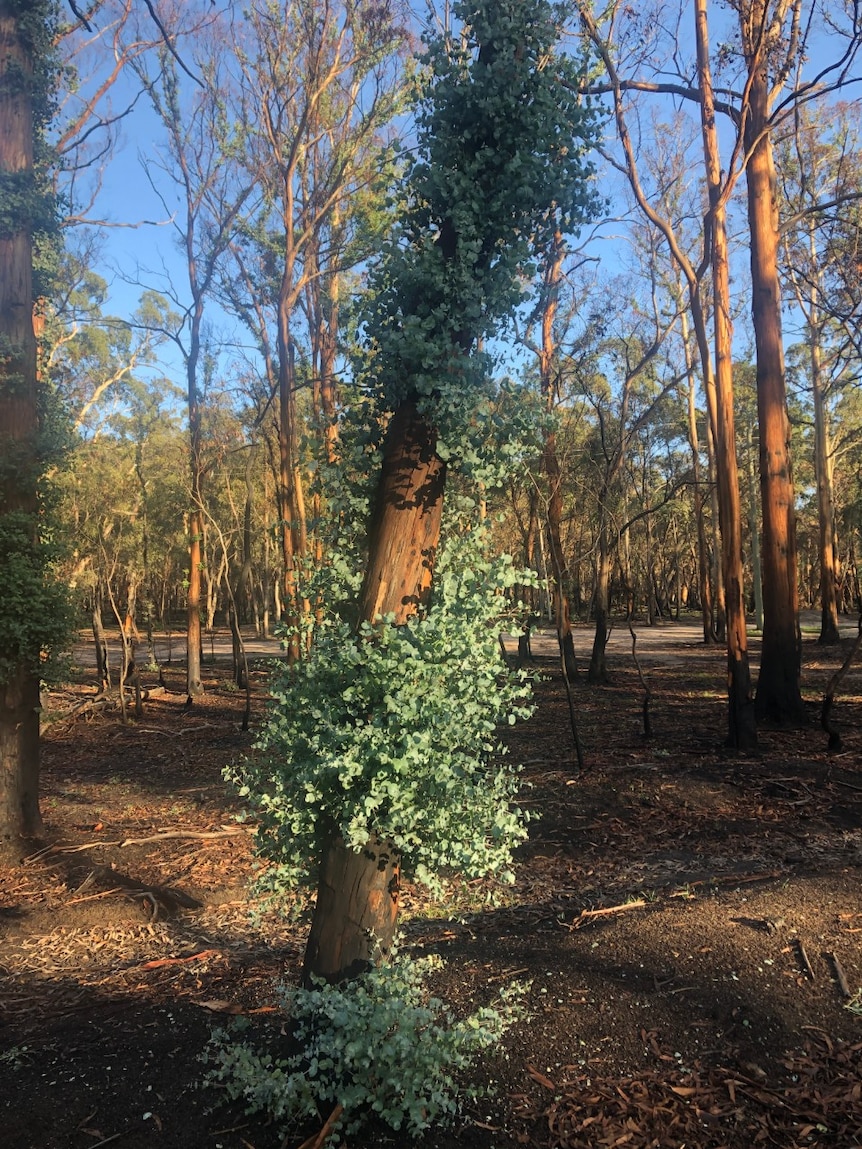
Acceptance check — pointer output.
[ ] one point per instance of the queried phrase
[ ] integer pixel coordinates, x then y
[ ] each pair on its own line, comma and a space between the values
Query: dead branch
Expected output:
605, 911
840, 975
643, 682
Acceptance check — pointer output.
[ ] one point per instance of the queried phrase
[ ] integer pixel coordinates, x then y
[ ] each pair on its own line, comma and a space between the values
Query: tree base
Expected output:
357, 906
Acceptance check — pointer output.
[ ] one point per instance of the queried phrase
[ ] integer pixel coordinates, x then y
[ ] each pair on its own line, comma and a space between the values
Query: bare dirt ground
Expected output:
690, 922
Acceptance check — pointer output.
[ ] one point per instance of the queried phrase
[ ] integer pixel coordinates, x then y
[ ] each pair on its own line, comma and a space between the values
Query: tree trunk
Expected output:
357, 897
704, 588
598, 671
20, 819
778, 695
194, 642
100, 642
19, 430
756, 564
829, 632
356, 910
291, 494
405, 525
547, 360
742, 729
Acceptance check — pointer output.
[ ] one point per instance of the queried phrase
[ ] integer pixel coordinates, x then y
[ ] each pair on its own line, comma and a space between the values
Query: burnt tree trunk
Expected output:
357, 897
598, 671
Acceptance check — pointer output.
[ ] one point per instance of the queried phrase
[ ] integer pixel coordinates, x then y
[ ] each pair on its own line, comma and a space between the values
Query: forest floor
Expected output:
689, 921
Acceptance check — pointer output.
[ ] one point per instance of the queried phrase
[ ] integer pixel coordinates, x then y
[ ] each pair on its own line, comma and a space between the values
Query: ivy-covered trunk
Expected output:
357, 896
19, 431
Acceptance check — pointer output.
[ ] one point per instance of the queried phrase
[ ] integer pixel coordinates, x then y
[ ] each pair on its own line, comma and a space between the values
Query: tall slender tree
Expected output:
30, 611
498, 165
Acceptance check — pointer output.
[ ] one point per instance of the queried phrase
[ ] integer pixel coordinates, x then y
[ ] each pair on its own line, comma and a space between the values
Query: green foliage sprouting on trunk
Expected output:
391, 732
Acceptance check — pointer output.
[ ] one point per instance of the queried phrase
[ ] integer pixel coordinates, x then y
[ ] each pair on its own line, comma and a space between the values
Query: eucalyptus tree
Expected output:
498, 164
820, 179
32, 618
197, 160
320, 83
623, 382
623, 34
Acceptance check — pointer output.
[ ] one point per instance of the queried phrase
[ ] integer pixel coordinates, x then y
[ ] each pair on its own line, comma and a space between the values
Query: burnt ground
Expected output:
690, 922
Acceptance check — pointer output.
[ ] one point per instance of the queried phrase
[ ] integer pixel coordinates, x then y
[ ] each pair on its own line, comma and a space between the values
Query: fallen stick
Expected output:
584, 915
840, 975
803, 957
92, 897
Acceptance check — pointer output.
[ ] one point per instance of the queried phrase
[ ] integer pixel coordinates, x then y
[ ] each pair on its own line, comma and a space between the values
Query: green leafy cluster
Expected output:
36, 616
378, 1045
500, 165
392, 731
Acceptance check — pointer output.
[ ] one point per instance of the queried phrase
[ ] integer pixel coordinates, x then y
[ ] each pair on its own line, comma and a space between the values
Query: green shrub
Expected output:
379, 1046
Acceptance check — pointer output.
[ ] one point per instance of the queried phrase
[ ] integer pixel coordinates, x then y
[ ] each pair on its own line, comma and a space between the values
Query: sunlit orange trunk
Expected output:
357, 897
19, 428
778, 695
742, 730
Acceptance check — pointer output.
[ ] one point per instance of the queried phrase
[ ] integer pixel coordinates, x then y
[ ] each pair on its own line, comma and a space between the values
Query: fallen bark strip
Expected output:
198, 835
157, 963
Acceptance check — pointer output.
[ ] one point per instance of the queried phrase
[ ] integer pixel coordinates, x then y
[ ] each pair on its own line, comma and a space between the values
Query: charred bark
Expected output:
356, 911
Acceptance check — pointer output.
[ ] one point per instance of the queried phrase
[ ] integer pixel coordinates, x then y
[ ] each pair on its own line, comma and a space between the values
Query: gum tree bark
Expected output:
778, 695
742, 729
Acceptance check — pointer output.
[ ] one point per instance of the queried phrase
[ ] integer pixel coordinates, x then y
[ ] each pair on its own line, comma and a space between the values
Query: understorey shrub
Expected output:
379, 1046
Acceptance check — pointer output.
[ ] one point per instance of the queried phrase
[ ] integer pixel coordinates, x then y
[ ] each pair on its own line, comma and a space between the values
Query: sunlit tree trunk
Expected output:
291, 501
358, 891
756, 564
778, 696
598, 671
742, 730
